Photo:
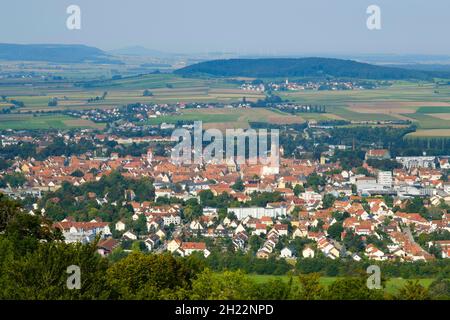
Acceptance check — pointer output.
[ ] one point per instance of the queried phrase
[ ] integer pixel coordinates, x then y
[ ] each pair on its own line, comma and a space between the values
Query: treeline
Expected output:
333, 123
386, 137
267, 125
301, 67
268, 101
434, 146
81, 202
219, 261
57, 147
305, 109
362, 138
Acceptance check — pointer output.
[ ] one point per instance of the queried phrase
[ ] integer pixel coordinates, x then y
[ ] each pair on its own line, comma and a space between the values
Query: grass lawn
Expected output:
433, 110
19, 122
227, 118
426, 121
392, 285
347, 114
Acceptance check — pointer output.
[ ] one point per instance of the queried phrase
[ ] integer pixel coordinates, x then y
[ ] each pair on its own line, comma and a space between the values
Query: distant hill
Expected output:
302, 67
54, 53
140, 51
423, 67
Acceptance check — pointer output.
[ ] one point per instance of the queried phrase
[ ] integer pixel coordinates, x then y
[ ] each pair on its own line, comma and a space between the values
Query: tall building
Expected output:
149, 155
417, 162
385, 178
378, 154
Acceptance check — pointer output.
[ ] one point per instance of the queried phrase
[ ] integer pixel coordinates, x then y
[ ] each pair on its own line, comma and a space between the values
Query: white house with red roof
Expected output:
187, 248
82, 231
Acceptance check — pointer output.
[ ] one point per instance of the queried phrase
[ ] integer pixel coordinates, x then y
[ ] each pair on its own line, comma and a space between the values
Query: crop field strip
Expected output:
421, 103
27, 121
229, 118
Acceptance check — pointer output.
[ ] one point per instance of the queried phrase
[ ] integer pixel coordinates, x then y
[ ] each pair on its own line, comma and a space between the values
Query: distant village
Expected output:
294, 85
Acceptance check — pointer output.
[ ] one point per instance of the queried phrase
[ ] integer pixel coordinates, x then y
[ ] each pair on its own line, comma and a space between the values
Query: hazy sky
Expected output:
242, 26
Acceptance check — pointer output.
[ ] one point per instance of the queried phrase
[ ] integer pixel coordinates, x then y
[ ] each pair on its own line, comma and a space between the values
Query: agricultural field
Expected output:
28, 121
392, 284
434, 109
228, 118
399, 91
165, 88
426, 121
425, 104
83, 70
429, 134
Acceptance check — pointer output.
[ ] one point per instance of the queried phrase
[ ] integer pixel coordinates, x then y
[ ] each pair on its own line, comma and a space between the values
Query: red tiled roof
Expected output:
193, 245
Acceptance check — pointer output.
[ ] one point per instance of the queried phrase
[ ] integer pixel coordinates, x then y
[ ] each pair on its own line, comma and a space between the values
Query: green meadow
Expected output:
21, 122
426, 121
399, 91
425, 104
392, 285
433, 110
228, 118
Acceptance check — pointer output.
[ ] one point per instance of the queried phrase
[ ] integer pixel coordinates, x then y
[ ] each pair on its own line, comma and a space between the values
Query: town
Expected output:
130, 193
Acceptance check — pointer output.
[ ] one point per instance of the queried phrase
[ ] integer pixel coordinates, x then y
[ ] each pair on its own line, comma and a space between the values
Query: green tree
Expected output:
238, 185
42, 273
149, 276
255, 243
315, 181
77, 173
273, 290
147, 93
335, 230
413, 290
310, 287
440, 289
229, 285
140, 225
353, 289
8, 209
298, 189
206, 196
15, 179
328, 201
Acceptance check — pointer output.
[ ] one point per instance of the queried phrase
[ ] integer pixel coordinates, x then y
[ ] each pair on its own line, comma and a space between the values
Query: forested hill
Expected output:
302, 67
58, 53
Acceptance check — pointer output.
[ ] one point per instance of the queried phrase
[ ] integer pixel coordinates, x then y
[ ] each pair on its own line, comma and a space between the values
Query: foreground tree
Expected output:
352, 289
440, 289
310, 287
413, 290
229, 285
42, 274
141, 276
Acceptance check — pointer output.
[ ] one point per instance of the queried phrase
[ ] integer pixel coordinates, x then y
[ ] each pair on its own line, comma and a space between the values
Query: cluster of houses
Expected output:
395, 231
333, 85
83, 232
287, 85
